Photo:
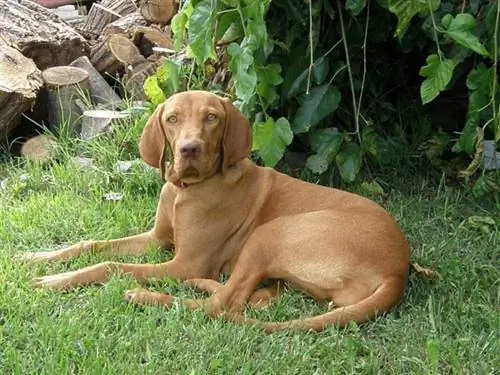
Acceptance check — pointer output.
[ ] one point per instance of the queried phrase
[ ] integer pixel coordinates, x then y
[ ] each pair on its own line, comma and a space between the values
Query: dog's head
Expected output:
204, 133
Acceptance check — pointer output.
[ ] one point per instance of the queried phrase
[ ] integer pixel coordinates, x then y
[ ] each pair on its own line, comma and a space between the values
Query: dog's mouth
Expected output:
187, 172
184, 171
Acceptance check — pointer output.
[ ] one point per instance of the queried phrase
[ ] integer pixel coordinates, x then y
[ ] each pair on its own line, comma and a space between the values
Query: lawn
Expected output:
448, 324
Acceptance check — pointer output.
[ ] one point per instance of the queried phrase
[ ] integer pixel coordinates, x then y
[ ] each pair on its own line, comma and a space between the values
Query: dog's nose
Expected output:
190, 149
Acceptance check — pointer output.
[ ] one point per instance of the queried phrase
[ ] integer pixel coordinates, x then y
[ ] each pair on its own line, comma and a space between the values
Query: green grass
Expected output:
445, 325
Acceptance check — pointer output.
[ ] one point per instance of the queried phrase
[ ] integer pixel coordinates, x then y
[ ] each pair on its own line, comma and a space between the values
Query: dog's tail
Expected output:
384, 298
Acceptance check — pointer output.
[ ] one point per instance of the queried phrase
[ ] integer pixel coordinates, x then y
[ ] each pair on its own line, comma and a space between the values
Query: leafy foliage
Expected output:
341, 71
405, 10
315, 106
349, 161
271, 138
438, 74
326, 144
460, 29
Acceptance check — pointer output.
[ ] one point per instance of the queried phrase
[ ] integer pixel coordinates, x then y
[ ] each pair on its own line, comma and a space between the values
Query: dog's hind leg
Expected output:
261, 298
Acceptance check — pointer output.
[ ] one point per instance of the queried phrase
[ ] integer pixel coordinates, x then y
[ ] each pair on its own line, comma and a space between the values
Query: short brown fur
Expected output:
226, 215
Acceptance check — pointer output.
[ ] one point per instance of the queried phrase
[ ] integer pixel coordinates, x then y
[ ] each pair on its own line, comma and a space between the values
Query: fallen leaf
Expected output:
484, 223
424, 271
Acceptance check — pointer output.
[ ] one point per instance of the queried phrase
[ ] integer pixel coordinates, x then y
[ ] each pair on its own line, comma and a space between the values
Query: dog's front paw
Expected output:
60, 281
145, 297
38, 256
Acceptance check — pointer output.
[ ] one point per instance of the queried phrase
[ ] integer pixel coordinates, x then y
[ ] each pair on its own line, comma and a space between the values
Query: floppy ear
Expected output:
152, 143
237, 139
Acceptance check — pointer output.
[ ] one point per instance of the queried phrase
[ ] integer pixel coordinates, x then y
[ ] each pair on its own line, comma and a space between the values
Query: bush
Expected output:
341, 80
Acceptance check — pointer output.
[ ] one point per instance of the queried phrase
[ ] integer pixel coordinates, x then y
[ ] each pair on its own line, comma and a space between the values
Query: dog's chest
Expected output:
208, 225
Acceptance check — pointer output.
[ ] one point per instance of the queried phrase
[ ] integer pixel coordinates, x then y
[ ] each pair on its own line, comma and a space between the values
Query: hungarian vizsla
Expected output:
224, 214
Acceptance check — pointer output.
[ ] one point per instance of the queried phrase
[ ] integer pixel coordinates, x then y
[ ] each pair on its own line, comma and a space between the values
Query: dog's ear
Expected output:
237, 139
152, 143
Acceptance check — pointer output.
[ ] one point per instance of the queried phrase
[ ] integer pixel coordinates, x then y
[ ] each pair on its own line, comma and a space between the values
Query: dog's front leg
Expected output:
100, 273
133, 245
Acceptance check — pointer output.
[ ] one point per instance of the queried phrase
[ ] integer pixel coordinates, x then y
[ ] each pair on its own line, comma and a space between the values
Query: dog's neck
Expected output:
180, 184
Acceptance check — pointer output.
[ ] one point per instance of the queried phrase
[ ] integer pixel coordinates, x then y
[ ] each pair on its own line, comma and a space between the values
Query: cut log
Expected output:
125, 25
40, 148
147, 37
59, 3
133, 81
158, 11
77, 23
104, 13
39, 34
66, 86
96, 122
113, 54
20, 81
100, 91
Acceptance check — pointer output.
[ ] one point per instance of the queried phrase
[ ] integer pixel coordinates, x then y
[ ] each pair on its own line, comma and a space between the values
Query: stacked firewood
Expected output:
55, 70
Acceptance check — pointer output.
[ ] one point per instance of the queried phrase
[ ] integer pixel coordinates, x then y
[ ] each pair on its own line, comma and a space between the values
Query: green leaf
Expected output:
405, 10
479, 156
200, 31
355, 6
372, 142
438, 73
467, 140
489, 20
326, 144
178, 26
460, 29
326, 141
241, 64
480, 85
296, 76
321, 68
231, 3
487, 184
317, 163
270, 139
480, 78
321, 101
296, 86
153, 91
349, 161
373, 188
229, 28
269, 78
254, 12
169, 77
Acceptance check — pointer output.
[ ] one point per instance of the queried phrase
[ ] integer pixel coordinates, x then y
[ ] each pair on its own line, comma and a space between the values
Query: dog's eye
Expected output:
211, 117
172, 119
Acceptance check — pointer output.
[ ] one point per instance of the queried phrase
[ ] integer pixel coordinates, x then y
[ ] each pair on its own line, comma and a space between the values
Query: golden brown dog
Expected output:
226, 215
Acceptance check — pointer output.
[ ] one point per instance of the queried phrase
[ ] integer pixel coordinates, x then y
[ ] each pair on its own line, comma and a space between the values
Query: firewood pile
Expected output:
78, 70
